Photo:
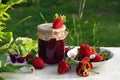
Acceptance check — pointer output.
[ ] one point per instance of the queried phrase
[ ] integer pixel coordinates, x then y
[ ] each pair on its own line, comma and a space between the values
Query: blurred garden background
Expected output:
100, 20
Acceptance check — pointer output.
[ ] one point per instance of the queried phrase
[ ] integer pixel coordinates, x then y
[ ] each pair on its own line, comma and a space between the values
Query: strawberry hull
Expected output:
51, 51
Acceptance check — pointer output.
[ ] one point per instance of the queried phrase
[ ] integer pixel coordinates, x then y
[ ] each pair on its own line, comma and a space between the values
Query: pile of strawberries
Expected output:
89, 52
86, 55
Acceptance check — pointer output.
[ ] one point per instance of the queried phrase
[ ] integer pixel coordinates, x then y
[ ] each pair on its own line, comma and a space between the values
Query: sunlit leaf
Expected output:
12, 2
1, 28
5, 39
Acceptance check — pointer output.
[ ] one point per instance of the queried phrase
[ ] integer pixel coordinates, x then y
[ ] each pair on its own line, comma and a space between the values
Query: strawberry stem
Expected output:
94, 72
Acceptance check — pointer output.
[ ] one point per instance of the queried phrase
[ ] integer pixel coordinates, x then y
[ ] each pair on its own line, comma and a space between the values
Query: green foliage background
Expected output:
105, 14
99, 26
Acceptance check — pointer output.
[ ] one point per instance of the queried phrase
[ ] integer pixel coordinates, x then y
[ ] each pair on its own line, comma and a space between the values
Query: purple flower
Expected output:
16, 58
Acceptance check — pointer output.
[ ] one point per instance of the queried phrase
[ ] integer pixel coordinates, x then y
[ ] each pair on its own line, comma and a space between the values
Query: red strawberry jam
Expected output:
51, 43
51, 51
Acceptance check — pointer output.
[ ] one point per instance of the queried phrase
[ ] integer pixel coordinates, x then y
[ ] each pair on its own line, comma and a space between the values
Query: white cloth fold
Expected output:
46, 32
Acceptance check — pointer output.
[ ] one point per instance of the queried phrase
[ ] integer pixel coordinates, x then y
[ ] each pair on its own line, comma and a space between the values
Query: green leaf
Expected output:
10, 68
5, 16
1, 78
1, 28
106, 55
1, 24
16, 67
5, 39
13, 2
78, 57
7, 69
23, 50
3, 59
23, 45
14, 48
16, 1
23, 40
14, 26
2, 8
43, 17
57, 15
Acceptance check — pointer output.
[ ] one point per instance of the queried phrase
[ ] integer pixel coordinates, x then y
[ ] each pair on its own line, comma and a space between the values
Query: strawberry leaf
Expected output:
78, 57
57, 15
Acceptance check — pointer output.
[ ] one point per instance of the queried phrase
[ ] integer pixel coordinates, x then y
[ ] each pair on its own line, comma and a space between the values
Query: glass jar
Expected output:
51, 43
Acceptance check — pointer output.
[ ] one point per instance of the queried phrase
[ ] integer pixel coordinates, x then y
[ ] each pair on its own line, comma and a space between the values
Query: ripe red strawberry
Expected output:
85, 59
57, 23
29, 58
98, 58
38, 63
63, 67
85, 50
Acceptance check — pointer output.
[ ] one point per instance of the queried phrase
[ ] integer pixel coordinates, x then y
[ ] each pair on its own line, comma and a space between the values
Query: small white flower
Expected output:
72, 56
31, 69
92, 56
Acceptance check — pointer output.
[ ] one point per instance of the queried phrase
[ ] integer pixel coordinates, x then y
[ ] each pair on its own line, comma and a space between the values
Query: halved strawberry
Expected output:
57, 23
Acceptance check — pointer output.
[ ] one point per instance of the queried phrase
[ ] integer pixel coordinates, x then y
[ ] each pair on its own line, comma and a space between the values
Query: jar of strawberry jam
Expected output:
51, 43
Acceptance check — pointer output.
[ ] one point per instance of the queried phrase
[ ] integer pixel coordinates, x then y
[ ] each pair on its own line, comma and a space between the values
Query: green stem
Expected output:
43, 17
94, 72
81, 8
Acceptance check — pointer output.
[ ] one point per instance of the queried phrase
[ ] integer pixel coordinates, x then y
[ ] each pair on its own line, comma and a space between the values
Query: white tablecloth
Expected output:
109, 71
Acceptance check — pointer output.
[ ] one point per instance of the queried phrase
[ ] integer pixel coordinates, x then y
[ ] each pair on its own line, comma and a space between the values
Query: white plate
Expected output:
73, 52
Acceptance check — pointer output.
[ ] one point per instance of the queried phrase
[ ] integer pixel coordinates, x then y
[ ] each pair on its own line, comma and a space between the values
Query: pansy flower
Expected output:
16, 58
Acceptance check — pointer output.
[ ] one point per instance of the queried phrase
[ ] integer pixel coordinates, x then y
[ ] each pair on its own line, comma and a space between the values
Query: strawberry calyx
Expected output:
63, 17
